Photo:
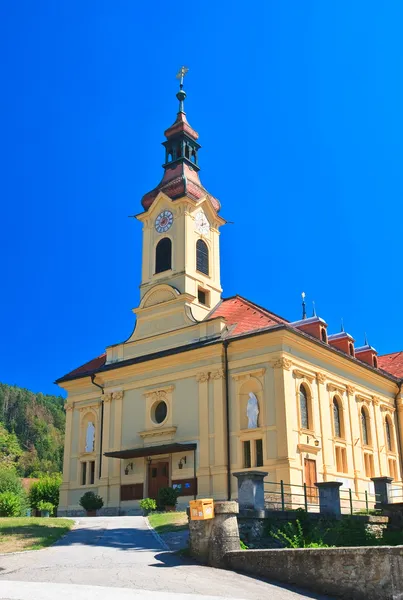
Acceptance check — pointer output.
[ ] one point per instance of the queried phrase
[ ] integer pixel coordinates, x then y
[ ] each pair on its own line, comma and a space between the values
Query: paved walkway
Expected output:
122, 553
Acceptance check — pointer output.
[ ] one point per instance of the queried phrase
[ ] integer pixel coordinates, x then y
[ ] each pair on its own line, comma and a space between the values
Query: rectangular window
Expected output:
259, 453
203, 297
369, 464
92, 472
83, 473
341, 459
392, 468
246, 455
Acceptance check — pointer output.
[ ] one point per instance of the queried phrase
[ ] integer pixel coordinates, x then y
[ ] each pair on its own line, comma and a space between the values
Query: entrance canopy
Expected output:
151, 450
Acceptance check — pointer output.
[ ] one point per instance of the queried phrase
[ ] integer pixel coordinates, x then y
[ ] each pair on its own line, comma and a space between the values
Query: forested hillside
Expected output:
31, 431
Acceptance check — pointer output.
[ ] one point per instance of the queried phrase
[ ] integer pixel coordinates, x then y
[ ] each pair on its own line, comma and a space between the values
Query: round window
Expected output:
160, 412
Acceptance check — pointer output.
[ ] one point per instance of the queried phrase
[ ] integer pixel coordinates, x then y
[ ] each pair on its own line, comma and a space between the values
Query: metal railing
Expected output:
396, 494
353, 503
286, 496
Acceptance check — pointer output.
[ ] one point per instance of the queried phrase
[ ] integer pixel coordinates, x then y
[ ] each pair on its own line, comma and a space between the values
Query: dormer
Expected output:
314, 326
367, 354
342, 341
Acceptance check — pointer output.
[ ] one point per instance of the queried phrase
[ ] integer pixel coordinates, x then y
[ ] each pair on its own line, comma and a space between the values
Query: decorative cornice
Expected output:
321, 377
68, 407
158, 432
298, 374
336, 389
360, 398
248, 374
218, 374
159, 393
203, 376
93, 406
309, 448
117, 395
388, 408
376, 400
350, 390
108, 397
282, 363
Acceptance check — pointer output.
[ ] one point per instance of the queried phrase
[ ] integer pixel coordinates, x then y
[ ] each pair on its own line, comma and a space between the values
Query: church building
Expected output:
207, 386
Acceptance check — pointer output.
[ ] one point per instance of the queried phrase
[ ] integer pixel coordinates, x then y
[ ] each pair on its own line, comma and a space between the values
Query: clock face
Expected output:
164, 221
202, 224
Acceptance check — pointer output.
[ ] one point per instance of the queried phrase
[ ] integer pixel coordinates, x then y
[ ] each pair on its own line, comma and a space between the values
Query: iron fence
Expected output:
286, 496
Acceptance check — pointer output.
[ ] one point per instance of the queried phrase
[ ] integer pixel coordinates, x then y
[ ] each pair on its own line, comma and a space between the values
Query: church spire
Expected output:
181, 95
181, 166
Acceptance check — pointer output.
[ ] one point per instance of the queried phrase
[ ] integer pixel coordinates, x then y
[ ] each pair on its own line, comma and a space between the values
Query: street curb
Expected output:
157, 536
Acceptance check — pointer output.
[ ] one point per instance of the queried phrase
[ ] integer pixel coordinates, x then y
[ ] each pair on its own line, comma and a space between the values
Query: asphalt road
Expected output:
122, 553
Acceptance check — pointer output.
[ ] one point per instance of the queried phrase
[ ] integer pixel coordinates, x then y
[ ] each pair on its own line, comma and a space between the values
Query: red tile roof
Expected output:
88, 368
245, 316
392, 363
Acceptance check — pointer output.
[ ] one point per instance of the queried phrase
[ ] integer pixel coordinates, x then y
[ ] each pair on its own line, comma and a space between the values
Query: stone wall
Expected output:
371, 573
254, 525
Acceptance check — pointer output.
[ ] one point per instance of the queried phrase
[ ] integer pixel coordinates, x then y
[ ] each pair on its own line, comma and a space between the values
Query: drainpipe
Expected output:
398, 429
102, 424
227, 412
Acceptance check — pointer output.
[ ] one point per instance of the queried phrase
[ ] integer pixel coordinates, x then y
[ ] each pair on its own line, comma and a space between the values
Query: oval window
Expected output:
160, 412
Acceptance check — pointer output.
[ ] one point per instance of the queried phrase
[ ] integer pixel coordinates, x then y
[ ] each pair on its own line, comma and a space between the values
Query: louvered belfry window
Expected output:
202, 257
163, 255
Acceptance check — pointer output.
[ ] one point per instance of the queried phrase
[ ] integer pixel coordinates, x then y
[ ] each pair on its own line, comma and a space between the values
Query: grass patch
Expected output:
29, 533
166, 522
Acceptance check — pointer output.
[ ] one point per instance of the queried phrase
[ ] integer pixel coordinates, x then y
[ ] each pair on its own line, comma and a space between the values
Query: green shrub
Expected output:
46, 490
11, 482
91, 501
243, 546
350, 532
299, 535
167, 496
10, 504
148, 504
45, 506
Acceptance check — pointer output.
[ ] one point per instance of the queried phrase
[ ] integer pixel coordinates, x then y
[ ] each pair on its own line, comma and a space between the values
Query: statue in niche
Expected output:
252, 411
90, 437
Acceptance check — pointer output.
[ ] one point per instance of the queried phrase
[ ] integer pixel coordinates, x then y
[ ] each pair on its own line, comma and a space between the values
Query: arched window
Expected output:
303, 405
351, 349
202, 257
364, 427
336, 418
388, 431
323, 335
163, 255
375, 361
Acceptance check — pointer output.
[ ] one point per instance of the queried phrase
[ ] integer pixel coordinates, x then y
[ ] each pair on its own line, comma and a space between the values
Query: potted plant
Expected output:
45, 507
167, 498
91, 502
147, 505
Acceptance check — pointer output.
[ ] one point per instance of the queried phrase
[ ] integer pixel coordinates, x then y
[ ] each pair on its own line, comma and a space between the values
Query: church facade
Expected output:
206, 386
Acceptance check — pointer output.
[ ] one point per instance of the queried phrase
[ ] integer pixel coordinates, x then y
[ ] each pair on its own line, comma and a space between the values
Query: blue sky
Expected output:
299, 110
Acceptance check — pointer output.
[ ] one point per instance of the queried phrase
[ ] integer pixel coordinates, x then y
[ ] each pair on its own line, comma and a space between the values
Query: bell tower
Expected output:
181, 226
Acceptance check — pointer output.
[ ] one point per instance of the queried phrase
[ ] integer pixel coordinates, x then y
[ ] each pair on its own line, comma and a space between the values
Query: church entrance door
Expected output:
310, 480
158, 477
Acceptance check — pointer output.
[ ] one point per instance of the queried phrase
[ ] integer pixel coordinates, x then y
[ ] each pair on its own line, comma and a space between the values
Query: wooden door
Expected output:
158, 477
310, 480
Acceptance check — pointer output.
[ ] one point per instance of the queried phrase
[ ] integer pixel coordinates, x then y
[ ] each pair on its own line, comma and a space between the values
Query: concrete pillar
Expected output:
210, 540
382, 489
251, 489
329, 498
